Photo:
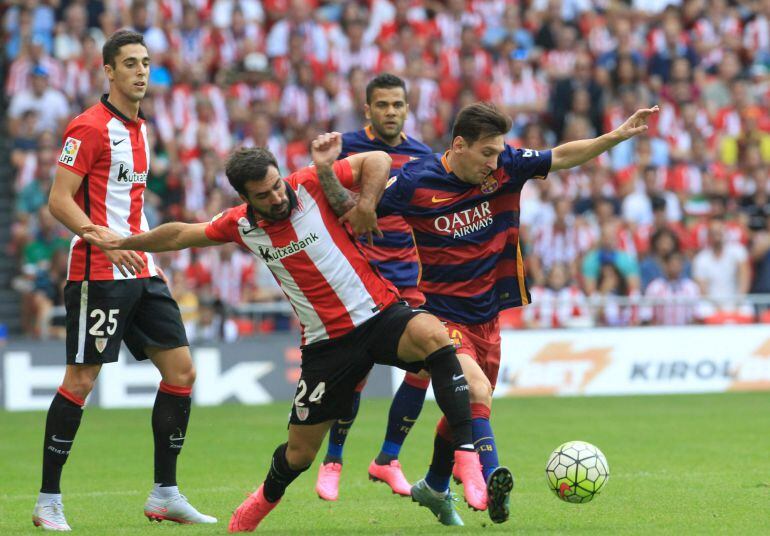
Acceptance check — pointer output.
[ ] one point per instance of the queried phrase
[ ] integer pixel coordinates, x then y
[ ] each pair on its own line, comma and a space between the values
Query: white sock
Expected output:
439, 494
47, 498
166, 492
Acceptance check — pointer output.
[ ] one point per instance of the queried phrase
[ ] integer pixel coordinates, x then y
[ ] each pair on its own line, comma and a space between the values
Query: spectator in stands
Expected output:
557, 303
610, 301
674, 293
276, 72
722, 270
607, 253
48, 295
212, 324
560, 242
49, 104
663, 242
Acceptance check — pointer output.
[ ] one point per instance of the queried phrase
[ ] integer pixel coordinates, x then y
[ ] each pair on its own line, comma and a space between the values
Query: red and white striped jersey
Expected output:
318, 264
555, 308
668, 312
112, 155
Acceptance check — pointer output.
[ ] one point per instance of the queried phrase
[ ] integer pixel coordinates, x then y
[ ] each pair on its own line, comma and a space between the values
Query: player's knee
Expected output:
300, 455
187, 377
183, 376
80, 386
480, 390
435, 339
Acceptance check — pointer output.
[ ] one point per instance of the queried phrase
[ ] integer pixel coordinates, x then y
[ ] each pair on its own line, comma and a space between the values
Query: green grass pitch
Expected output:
679, 465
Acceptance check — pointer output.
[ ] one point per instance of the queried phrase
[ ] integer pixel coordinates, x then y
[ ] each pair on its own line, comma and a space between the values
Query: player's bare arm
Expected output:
61, 203
167, 237
324, 150
575, 153
370, 170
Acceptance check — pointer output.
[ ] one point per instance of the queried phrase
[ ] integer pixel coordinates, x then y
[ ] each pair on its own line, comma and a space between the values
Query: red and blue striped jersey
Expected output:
393, 254
467, 235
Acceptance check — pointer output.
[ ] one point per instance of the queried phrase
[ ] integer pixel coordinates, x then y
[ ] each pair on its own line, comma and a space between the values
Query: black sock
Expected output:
452, 394
441, 464
170, 415
61, 425
338, 433
280, 475
384, 459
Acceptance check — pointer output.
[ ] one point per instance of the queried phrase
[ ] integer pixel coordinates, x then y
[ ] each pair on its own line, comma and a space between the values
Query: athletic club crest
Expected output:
100, 343
489, 185
302, 412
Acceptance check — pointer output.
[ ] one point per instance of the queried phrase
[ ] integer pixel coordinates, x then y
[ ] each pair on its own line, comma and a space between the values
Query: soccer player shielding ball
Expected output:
394, 256
114, 296
463, 206
351, 316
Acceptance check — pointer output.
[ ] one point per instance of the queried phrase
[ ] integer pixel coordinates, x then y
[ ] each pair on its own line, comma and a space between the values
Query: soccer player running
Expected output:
351, 316
114, 296
463, 207
393, 254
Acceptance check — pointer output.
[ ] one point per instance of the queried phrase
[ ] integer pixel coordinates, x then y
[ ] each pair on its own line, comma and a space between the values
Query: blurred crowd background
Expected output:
679, 216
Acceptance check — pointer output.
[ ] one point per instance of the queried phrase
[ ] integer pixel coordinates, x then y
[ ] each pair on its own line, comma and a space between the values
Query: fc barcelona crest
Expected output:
489, 185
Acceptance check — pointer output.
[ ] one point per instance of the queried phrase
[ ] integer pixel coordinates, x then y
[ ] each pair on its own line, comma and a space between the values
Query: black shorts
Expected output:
101, 314
332, 369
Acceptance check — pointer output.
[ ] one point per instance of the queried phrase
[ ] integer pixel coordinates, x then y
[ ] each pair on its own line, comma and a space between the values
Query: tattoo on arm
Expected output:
340, 199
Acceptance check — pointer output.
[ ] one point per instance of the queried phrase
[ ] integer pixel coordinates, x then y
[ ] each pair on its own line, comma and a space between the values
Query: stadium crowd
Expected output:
682, 212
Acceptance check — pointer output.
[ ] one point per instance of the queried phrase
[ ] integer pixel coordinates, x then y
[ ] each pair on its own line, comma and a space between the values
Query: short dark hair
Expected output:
674, 254
480, 120
119, 39
248, 164
383, 81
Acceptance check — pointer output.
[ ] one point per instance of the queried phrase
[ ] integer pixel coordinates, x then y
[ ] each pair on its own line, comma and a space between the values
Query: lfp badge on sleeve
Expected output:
70, 151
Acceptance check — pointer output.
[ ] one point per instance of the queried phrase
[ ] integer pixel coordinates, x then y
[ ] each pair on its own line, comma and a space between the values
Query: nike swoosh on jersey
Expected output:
117, 142
440, 199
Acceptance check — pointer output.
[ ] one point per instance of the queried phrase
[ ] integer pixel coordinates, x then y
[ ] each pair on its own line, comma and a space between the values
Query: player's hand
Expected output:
325, 149
161, 274
637, 123
363, 221
128, 262
102, 237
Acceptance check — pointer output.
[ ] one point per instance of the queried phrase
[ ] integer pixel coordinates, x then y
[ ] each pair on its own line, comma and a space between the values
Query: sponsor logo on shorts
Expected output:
70, 151
457, 338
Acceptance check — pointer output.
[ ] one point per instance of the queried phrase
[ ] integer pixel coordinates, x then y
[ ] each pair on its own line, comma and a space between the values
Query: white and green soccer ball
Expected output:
576, 471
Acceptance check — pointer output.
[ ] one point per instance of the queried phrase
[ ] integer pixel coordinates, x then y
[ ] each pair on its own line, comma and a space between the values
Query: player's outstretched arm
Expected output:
166, 237
578, 152
62, 205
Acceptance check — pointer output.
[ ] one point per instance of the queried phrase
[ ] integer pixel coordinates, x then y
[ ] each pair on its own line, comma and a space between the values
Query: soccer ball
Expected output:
576, 471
